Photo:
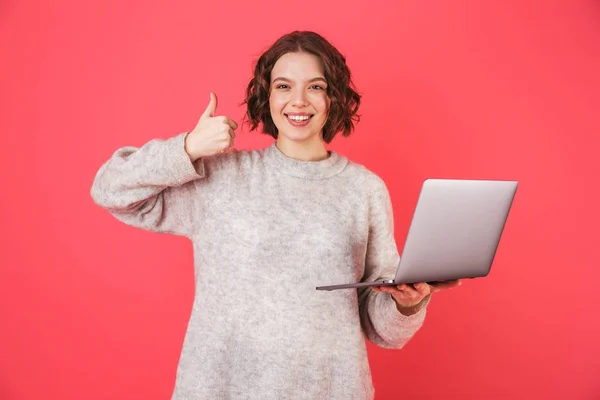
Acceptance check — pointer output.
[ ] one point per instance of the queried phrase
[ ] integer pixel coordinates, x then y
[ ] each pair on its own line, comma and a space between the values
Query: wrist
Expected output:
412, 309
187, 147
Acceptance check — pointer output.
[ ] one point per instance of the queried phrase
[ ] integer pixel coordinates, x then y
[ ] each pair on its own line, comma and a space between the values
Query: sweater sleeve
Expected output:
382, 323
151, 187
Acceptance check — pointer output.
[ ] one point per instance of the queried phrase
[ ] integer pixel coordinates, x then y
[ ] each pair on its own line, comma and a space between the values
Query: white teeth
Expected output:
298, 117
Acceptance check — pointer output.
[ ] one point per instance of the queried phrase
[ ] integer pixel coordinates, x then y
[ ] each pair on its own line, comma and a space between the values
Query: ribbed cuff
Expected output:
392, 325
183, 168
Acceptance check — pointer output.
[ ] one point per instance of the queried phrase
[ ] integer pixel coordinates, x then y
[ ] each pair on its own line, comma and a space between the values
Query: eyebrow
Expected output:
319, 78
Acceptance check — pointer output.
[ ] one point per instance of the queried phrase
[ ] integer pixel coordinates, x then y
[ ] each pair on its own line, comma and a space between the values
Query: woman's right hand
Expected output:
212, 135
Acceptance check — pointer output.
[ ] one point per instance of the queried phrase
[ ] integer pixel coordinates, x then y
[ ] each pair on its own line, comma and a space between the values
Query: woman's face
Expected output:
298, 97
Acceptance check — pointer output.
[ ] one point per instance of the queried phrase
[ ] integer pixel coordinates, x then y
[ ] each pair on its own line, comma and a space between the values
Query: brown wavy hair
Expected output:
345, 100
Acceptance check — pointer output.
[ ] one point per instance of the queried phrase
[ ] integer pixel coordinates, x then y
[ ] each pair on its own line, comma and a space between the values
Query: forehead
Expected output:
298, 66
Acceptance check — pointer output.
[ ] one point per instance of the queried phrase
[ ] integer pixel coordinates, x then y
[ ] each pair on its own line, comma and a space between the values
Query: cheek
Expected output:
276, 103
321, 103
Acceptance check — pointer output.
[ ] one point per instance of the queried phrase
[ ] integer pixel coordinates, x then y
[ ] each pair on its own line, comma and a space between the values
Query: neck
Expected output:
313, 151
311, 167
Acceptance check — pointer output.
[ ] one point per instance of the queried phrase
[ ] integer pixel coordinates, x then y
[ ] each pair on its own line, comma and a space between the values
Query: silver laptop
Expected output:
454, 233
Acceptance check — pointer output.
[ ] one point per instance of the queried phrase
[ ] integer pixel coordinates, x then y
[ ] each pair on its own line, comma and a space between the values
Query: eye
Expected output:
282, 86
317, 87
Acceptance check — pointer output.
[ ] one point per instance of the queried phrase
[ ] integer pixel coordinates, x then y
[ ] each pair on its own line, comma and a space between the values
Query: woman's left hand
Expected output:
407, 297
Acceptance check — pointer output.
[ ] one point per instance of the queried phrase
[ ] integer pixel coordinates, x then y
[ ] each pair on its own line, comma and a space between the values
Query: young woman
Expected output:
268, 226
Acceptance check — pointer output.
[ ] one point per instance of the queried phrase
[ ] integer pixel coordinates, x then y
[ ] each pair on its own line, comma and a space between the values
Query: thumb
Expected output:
212, 106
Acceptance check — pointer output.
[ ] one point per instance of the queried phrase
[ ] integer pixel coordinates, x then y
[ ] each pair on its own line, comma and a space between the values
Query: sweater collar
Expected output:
322, 169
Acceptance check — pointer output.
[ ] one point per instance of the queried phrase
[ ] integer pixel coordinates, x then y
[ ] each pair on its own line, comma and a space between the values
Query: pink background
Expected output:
92, 309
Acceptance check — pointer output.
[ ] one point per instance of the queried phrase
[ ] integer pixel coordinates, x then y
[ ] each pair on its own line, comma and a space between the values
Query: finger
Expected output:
226, 120
407, 297
212, 106
436, 286
231, 134
422, 288
380, 288
415, 291
385, 289
226, 148
229, 143
405, 288
231, 123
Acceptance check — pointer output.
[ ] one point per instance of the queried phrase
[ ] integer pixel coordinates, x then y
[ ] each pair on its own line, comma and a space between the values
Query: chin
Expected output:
299, 136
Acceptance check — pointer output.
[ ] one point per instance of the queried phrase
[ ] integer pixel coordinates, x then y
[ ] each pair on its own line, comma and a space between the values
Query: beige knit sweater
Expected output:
271, 228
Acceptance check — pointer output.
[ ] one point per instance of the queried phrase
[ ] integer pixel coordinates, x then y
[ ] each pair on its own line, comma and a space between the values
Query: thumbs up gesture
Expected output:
212, 134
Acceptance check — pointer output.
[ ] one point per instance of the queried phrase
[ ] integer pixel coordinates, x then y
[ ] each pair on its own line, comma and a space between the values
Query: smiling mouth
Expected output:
299, 118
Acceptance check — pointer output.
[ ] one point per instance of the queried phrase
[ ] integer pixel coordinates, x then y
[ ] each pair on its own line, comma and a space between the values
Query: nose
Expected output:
299, 98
